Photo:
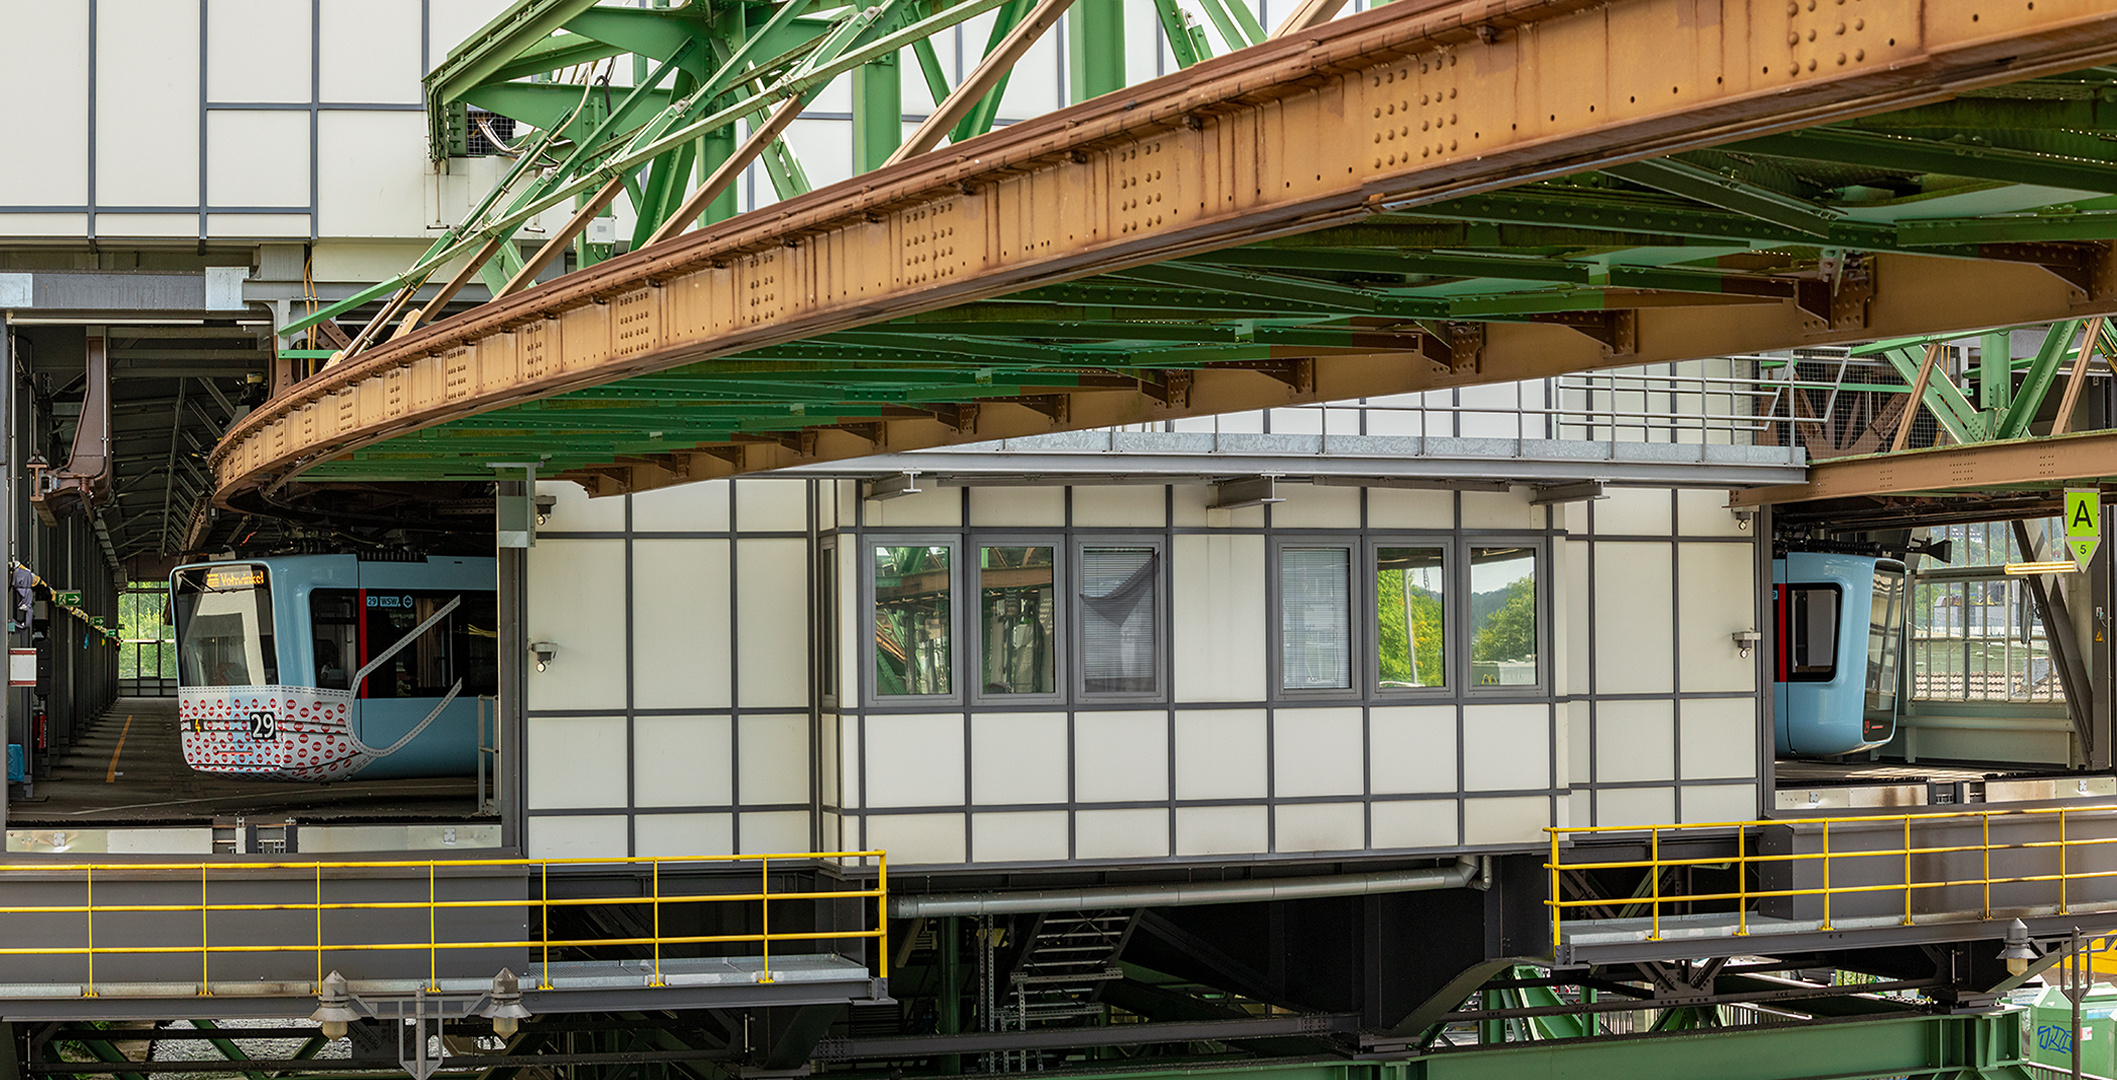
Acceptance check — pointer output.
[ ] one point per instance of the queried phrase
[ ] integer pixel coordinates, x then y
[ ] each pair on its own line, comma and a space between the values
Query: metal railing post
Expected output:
1556, 900
764, 907
657, 869
1655, 870
544, 908
1741, 881
2064, 870
1826, 874
90, 879
1986, 819
205, 948
1907, 869
433, 965
882, 909
319, 928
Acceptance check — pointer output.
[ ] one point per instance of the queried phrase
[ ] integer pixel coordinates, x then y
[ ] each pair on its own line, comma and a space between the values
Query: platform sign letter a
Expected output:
2083, 524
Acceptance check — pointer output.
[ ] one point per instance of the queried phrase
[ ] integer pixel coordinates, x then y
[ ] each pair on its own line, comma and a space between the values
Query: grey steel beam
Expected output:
914, 1046
1377, 460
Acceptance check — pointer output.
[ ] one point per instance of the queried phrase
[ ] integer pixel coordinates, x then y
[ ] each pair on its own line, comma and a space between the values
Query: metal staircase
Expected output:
1064, 961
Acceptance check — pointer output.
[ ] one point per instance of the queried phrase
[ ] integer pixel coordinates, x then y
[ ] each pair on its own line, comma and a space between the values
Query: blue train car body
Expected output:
1838, 622
324, 667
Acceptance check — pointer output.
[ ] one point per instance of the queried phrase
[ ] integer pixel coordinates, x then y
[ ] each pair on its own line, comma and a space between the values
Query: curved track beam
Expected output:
1398, 107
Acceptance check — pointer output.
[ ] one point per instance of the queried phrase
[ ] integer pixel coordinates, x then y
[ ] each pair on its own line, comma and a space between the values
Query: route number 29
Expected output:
264, 725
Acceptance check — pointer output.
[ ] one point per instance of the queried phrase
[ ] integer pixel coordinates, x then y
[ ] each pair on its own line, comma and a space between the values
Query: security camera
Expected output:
544, 652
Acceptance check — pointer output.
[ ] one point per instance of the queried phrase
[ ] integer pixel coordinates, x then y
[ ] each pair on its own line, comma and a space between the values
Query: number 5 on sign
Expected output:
2083, 524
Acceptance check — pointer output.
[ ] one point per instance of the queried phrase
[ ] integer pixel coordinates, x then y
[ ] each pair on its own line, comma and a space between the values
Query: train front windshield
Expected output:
224, 627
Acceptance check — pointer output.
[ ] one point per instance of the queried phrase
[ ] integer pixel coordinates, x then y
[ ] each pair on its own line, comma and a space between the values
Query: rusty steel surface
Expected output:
1394, 108
2041, 464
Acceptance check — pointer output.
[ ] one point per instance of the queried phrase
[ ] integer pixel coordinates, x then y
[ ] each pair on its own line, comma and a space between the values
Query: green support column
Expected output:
878, 113
1995, 372
1095, 48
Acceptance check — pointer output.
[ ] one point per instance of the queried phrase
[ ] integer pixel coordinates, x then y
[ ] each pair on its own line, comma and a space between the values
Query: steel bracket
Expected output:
1616, 330
1838, 302
1056, 407
1171, 388
2086, 266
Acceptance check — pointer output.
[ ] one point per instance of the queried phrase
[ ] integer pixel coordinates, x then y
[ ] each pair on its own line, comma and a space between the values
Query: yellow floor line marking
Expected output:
111, 777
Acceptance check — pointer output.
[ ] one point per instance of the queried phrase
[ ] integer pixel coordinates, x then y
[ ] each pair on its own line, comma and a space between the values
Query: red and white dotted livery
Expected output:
270, 732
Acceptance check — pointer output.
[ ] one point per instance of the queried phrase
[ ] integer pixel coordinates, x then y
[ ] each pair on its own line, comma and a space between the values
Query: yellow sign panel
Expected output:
237, 577
2083, 523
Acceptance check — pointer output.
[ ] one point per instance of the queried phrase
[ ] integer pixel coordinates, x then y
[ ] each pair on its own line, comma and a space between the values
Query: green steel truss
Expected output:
2022, 173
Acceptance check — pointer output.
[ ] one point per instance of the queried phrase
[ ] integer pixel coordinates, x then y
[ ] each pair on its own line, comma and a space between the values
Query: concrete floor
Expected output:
129, 767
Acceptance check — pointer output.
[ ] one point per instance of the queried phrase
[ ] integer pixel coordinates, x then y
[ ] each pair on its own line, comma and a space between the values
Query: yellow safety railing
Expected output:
1653, 899
437, 872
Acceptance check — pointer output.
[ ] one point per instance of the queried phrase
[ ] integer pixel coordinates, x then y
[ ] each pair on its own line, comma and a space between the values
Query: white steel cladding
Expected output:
1117, 674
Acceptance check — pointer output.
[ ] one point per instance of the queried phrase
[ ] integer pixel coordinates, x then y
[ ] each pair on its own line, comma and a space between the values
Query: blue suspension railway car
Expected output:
1838, 621
325, 667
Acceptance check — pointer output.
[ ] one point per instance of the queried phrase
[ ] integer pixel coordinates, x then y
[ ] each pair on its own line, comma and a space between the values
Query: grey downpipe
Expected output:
1466, 870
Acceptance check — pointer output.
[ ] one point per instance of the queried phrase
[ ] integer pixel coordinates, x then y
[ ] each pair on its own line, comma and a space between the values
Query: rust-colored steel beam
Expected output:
1410, 103
2038, 464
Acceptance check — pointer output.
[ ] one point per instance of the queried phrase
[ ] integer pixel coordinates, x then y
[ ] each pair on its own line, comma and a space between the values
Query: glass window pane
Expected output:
1315, 618
1119, 593
1016, 593
1812, 632
913, 621
1885, 626
1503, 632
1410, 631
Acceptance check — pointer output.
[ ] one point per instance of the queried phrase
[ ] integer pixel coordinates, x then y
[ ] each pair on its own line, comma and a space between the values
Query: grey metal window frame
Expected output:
830, 613
954, 542
1359, 630
1465, 623
1454, 554
1077, 675
1062, 638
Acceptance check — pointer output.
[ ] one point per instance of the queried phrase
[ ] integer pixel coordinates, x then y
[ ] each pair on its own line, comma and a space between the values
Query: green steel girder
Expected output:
2014, 422
2072, 112
1943, 398
1095, 48
1186, 40
655, 32
550, 105
1995, 370
1911, 155
980, 118
1083, 330
1734, 195
1398, 262
522, 26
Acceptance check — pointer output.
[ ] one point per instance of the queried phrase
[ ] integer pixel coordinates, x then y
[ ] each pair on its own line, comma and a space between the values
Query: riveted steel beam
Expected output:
2041, 464
1395, 109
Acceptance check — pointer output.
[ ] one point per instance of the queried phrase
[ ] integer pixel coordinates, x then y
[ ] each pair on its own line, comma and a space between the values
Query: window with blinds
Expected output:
1315, 618
1120, 597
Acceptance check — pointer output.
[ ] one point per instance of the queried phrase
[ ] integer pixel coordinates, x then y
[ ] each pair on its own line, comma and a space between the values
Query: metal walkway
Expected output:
1622, 895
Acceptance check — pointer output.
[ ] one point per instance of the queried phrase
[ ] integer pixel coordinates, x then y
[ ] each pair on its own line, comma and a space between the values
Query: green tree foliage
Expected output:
1509, 633
141, 612
1425, 627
